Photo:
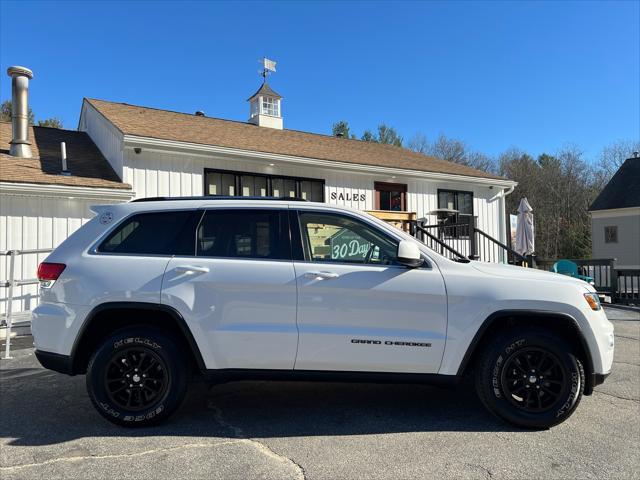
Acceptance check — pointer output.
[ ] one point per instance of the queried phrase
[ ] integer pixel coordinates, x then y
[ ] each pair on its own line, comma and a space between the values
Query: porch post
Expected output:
473, 247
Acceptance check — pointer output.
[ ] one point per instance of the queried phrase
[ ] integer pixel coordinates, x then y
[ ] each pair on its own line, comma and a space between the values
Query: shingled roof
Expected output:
167, 125
623, 190
265, 89
86, 164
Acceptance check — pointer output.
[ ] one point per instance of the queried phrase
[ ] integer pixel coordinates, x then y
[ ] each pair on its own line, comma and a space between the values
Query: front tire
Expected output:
137, 377
530, 379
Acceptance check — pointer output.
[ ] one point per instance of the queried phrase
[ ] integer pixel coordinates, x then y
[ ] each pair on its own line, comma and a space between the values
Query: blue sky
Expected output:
534, 75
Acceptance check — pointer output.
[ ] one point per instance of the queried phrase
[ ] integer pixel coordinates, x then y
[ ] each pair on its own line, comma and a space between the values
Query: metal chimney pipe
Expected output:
20, 145
63, 157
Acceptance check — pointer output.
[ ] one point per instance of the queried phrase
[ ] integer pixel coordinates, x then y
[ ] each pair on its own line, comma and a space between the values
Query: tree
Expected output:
52, 122
560, 188
341, 129
6, 110
419, 143
367, 136
386, 135
449, 149
452, 150
613, 156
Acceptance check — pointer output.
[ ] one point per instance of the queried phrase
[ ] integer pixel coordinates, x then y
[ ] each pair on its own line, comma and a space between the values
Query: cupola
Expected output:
264, 105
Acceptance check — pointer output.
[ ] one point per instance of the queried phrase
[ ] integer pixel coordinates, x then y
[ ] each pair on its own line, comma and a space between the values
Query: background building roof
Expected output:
167, 125
623, 190
85, 162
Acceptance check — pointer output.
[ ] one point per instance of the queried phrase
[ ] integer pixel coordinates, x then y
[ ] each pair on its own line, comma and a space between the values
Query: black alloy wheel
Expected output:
533, 379
136, 378
530, 377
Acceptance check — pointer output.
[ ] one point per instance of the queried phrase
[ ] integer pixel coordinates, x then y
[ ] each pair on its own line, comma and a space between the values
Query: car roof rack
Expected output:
216, 197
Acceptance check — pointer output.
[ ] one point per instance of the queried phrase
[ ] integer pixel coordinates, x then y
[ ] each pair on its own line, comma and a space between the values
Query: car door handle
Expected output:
322, 275
191, 269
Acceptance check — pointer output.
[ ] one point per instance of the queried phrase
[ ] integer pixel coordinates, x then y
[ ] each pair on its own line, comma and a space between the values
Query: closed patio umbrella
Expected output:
525, 242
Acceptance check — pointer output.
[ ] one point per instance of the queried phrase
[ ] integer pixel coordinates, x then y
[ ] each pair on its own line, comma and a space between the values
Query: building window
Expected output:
391, 197
611, 234
255, 107
270, 106
253, 186
463, 203
225, 183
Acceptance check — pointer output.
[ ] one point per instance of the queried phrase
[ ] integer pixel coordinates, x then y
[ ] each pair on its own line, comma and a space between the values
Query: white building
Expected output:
124, 151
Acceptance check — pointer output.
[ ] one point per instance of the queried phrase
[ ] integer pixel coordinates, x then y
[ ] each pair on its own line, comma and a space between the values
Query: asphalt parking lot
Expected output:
48, 429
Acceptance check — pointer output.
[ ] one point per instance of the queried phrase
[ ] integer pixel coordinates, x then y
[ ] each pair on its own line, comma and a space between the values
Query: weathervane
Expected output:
267, 67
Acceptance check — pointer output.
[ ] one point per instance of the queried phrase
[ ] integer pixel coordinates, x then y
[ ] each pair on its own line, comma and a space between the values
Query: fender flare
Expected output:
177, 317
500, 314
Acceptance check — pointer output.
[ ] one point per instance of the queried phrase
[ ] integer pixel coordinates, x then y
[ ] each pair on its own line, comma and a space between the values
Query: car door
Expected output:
238, 293
358, 308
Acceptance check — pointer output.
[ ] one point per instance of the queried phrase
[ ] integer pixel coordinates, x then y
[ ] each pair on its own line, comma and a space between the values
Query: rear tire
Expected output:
530, 378
137, 377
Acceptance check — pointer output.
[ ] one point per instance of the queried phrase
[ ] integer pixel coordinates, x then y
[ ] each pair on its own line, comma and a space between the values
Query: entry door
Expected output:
238, 294
358, 309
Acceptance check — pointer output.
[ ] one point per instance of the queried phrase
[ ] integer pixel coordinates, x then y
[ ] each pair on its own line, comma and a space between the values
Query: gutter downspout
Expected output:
503, 217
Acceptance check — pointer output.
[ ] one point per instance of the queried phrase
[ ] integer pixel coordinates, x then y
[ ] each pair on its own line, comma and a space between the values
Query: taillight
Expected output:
49, 273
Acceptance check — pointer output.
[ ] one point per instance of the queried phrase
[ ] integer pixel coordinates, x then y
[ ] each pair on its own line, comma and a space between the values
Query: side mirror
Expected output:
409, 254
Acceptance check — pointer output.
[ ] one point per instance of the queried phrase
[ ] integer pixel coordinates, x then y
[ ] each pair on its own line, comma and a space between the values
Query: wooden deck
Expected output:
401, 220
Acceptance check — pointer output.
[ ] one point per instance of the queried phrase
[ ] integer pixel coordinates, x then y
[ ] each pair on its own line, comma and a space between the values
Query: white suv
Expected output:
148, 292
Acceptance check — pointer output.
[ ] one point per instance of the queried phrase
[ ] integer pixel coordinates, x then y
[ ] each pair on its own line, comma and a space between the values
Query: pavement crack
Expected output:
260, 446
618, 396
488, 473
628, 338
628, 363
121, 455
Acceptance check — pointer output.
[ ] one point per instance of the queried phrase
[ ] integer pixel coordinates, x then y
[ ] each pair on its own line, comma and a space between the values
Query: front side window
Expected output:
341, 239
239, 233
156, 233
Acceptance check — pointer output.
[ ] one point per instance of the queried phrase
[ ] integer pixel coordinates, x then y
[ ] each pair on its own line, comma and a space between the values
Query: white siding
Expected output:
157, 173
106, 137
30, 222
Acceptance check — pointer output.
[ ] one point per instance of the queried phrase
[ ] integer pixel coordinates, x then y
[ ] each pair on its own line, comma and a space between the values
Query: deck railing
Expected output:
11, 283
470, 242
622, 285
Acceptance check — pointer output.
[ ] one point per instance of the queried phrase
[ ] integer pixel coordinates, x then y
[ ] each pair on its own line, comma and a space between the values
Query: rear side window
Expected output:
157, 233
262, 234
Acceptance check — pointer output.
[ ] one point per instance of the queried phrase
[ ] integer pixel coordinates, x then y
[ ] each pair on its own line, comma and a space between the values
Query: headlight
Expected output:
593, 300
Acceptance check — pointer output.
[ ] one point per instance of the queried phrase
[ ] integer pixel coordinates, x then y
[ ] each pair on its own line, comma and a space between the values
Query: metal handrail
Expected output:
515, 254
418, 228
11, 283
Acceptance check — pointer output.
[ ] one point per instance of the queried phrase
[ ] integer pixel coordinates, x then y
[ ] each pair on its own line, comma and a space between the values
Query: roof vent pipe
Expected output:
63, 157
20, 145
199, 113
636, 154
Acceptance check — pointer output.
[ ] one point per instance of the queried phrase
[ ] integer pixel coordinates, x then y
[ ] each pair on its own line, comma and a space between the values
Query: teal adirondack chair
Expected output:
567, 267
